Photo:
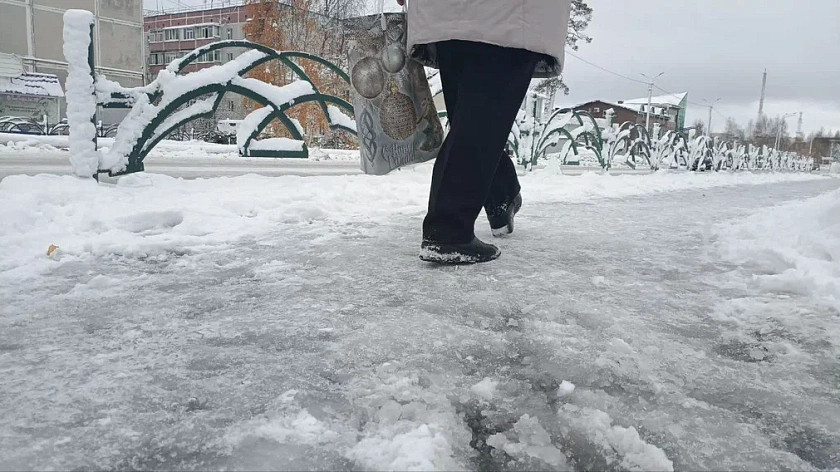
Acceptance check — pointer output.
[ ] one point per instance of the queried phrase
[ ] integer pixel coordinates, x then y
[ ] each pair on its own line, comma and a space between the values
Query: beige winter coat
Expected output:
536, 25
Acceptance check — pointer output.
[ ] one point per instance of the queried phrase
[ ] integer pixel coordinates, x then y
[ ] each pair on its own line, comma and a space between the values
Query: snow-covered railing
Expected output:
173, 100
631, 145
80, 94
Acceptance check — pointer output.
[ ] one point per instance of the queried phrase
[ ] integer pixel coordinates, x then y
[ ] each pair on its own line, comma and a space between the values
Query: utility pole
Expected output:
799, 133
763, 92
711, 109
650, 98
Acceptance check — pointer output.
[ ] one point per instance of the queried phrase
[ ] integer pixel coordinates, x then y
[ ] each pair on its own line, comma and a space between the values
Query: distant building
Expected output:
668, 110
600, 109
31, 95
31, 38
826, 150
171, 34
670, 107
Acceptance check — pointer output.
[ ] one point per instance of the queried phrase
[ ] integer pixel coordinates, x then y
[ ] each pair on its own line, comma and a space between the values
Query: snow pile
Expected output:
410, 427
793, 249
288, 423
321, 154
277, 144
485, 389
34, 145
621, 446
406, 448
193, 149
81, 100
530, 441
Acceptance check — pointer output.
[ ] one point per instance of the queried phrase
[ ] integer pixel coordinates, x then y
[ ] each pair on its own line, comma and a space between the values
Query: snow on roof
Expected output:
672, 100
197, 25
611, 104
42, 85
10, 65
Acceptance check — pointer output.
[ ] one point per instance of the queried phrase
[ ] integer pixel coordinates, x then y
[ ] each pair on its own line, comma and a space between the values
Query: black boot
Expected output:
473, 252
501, 219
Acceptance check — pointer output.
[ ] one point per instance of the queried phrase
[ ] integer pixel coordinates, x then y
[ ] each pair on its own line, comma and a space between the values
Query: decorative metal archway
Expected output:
171, 112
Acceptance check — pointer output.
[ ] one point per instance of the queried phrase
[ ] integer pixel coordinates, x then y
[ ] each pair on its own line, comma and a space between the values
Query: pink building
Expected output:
175, 33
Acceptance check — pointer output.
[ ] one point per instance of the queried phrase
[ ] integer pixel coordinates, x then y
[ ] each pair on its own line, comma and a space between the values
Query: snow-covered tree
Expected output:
578, 22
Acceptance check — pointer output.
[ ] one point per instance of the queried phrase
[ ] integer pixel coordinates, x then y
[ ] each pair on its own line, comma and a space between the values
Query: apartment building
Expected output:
174, 33
32, 47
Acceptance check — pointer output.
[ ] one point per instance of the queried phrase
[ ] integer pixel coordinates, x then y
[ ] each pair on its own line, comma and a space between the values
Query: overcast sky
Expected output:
711, 49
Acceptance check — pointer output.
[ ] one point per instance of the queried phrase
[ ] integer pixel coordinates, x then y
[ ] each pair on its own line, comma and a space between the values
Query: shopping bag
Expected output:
396, 117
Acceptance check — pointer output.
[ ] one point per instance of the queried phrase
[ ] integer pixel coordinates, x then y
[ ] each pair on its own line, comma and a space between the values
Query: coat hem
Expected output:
547, 66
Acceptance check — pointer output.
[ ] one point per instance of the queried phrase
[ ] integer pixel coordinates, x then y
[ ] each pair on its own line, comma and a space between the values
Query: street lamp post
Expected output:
711, 109
779, 131
650, 97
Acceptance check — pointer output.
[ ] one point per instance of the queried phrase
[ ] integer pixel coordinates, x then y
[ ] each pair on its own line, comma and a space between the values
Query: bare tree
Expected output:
699, 127
733, 131
303, 25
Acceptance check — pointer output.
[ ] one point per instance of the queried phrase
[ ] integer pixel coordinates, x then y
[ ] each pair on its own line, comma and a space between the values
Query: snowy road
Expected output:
633, 323
57, 163
187, 168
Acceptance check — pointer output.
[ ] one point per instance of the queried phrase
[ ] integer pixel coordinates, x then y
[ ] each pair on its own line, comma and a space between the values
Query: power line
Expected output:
638, 81
604, 69
677, 96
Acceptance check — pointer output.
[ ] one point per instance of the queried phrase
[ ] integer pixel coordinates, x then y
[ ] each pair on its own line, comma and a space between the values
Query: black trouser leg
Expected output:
485, 86
504, 188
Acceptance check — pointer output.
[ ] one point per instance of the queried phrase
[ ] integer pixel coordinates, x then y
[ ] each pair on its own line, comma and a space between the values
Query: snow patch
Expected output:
622, 446
485, 389
414, 448
790, 249
529, 440
565, 389
277, 144
600, 281
337, 117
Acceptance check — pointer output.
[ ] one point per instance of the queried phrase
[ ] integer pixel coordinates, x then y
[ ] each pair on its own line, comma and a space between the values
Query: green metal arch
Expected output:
645, 144
597, 129
541, 152
143, 145
599, 153
269, 55
287, 122
290, 126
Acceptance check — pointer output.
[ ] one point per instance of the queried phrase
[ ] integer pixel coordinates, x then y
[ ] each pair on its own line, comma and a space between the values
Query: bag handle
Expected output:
380, 8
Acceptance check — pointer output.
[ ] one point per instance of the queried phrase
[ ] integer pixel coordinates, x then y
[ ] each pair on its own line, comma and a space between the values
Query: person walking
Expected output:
487, 52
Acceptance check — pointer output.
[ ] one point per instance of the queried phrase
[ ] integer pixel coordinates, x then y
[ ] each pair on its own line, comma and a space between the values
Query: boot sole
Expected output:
508, 229
434, 257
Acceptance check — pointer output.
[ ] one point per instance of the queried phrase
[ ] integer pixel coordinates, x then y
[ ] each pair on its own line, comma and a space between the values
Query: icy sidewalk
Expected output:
258, 323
